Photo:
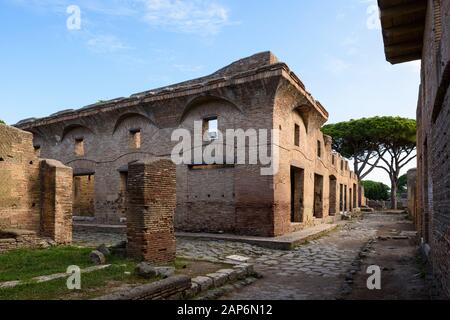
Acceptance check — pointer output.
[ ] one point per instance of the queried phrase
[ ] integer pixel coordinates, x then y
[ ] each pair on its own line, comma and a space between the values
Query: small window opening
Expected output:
297, 135
211, 126
79, 147
135, 139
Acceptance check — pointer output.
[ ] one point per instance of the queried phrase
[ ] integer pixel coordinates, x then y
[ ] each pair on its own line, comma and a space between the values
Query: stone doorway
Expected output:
318, 196
297, 194
350, 192
333, 195
83, 196
341, 198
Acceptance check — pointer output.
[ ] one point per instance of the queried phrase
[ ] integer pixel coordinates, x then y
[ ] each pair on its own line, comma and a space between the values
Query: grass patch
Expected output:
26, 264
93, 285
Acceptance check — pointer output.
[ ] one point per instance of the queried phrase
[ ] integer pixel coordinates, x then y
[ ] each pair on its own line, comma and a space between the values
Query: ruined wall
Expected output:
151, 202
20, 184
56, 201
433, 139
35, 194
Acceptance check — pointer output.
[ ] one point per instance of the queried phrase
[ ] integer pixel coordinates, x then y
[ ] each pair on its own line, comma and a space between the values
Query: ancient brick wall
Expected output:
20, 185
433, 115
151, 208
35, 194
56, 201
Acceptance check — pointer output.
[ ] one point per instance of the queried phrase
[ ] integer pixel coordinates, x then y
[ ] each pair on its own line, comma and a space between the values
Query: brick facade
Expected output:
35, 194
433, 120
253, 93
433, 139
151, 207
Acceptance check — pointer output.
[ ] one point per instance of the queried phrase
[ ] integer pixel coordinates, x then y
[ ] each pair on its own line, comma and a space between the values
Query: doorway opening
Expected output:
297, 190
318, 196
83, 196
333, 195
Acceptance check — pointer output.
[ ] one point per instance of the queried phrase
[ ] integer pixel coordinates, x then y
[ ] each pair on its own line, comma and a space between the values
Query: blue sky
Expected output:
127, 46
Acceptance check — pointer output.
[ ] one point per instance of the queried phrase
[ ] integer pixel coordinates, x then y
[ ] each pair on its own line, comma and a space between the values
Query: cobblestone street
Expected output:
317, 270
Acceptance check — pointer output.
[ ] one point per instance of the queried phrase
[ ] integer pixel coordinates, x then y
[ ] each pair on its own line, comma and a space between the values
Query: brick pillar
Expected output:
56, 201
150, 214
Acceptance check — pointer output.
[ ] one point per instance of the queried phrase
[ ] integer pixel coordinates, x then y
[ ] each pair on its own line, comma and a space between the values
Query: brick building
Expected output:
420, 29
313, 184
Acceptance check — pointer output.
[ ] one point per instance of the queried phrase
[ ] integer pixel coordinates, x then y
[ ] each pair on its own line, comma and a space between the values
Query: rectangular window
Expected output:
333, 159
211, 126
297, 135
319, 149
79, 147
342, 165
135, 139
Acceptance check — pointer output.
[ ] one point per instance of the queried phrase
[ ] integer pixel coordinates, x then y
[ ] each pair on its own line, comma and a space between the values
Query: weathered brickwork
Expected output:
19, 175
56, 201
151, 207
433, 139
253, 93
35, 194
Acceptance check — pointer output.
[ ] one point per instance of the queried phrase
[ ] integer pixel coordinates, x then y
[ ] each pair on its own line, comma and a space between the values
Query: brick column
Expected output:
150, 214
56, 201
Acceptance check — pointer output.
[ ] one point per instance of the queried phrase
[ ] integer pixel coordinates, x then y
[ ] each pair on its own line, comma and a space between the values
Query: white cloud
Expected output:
106, 44
336, 65
187, 16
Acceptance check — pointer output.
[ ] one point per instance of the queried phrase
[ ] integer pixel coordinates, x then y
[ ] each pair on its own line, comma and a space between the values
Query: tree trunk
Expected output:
394, 205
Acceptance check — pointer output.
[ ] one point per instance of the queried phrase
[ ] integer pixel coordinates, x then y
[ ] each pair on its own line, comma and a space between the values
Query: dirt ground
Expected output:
395, 251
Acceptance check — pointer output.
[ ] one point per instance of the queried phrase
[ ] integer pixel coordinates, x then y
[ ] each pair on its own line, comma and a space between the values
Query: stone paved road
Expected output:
313, 271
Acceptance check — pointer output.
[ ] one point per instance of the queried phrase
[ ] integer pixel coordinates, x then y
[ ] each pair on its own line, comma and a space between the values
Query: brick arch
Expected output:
129, 115
304, 112
72, 127
203, 99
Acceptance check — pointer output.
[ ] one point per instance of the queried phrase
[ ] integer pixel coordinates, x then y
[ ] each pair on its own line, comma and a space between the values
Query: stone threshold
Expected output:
42, 279
285, 242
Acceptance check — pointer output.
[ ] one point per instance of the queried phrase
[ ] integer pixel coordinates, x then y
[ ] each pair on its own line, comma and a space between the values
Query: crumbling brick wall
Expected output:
56, 201
19, 180
35, 194
151, 208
